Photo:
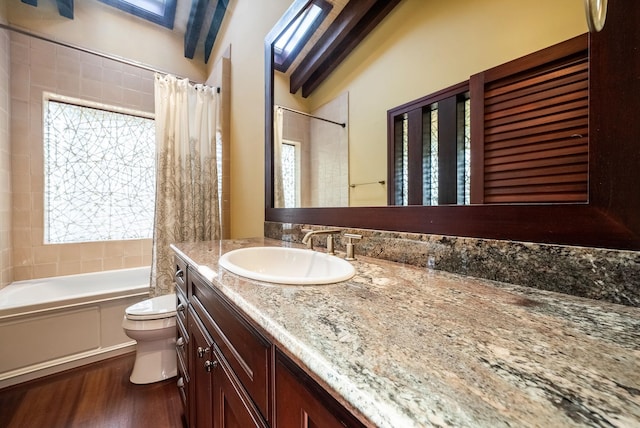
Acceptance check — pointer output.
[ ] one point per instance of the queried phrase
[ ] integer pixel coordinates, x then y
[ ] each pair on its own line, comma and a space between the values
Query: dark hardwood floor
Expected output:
96, 395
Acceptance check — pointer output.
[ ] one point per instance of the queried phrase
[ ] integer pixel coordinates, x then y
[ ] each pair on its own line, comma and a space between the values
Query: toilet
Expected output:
152, 323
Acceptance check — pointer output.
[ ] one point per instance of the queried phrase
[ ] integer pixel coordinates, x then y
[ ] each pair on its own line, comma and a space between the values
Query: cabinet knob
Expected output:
209, 365
201, 351
180, 307
179, 274
180, 343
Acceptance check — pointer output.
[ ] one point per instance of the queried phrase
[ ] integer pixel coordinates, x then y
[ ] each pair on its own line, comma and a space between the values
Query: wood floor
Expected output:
98, 395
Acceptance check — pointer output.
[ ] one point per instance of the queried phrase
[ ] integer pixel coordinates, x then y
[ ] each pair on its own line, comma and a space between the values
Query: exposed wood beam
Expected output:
352, 25
194, 26
216, 23
31, 2
65, 8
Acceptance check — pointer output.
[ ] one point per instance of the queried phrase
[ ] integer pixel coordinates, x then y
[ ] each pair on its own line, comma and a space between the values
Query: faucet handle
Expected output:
350, 245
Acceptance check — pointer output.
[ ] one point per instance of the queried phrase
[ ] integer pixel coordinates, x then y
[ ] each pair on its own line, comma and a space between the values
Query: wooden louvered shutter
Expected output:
530, 128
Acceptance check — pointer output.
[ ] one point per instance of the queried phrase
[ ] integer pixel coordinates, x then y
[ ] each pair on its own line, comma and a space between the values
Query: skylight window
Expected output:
289, 44
161, 12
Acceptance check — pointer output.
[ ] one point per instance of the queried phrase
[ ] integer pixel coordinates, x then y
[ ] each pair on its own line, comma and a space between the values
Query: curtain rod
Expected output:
312, 116
92, 52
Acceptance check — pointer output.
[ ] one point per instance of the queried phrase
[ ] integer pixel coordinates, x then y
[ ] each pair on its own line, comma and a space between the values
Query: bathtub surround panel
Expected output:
71, 321
601, 274
39, 66
6, 248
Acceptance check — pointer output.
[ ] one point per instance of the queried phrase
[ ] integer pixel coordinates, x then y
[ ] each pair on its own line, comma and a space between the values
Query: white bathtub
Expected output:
53, 324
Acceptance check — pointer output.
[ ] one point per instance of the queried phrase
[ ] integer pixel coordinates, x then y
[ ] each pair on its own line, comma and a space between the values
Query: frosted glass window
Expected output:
291, 174
99, 174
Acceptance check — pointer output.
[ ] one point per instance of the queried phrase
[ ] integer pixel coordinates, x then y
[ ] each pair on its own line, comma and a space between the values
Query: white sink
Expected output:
287, 265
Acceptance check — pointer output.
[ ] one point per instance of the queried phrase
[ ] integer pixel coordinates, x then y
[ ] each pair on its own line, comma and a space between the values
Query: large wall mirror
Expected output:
357, 87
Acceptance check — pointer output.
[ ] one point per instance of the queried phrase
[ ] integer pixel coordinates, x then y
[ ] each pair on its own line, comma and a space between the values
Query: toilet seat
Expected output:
156, 308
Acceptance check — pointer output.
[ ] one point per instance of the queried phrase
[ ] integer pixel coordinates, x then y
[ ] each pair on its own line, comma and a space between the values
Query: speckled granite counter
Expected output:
406, 346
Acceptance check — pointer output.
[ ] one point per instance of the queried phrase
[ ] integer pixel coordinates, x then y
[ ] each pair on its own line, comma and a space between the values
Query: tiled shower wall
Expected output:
6, 263
38, 66
324, 177
295, 127
330, 154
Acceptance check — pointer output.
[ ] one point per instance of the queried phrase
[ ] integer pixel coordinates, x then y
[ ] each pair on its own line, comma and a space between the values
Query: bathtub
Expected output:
52, 324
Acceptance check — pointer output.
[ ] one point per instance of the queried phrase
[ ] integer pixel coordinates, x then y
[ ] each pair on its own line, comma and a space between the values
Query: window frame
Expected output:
166, 19
451, 132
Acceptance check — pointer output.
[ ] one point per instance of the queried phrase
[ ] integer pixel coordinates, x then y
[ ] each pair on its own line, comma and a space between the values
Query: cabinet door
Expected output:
201, 365
302, 403
232, 407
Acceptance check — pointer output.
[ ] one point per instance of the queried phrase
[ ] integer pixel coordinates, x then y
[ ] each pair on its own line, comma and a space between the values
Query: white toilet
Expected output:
152, 323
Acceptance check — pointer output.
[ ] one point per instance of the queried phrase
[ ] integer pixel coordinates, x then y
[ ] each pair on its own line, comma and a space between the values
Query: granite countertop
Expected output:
406, 346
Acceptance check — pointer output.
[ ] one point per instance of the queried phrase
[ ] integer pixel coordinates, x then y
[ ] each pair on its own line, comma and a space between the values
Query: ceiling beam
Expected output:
194, 26
65, 8
216, 23
350, 27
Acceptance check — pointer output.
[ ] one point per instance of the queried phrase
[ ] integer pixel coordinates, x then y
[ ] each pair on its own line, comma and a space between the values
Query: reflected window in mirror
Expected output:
531, 143
289, 44
290, 154
431, 150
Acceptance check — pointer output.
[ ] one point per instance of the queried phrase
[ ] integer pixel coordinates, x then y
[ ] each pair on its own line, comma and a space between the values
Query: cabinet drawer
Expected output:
247, 352
180, 273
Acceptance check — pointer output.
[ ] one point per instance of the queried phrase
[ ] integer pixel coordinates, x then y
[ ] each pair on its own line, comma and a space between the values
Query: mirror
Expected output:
606, 220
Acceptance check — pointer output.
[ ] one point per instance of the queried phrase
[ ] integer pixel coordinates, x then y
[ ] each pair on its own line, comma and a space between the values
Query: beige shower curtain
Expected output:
187, 202
278, 188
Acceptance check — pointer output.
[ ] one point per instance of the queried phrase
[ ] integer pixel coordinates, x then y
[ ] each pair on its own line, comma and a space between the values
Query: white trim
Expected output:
47, 368
50, 96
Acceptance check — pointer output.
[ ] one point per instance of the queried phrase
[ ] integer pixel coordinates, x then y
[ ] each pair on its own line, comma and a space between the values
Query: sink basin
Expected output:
287, 265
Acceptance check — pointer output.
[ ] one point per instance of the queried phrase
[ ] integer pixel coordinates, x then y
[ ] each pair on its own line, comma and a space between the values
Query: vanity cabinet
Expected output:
302, 403
234, 376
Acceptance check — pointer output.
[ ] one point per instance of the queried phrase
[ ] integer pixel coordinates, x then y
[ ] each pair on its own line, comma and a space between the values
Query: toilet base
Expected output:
155, 361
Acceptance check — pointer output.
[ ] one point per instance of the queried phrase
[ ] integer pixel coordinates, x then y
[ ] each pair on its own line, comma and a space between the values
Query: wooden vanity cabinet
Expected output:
302, 403
231, 370
182, 336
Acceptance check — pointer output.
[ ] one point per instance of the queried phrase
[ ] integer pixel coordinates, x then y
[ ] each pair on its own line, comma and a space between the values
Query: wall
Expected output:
244, 27
102, 28
6, 248
38, 66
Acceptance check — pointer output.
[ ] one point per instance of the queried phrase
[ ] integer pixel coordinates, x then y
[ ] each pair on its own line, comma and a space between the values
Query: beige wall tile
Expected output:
70, 252
45, 66
46, 254
69, 268
92, 266
21, 273
113, 263
44, 270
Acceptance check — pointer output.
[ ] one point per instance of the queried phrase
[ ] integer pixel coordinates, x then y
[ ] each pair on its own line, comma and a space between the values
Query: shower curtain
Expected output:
278, 188
187, 206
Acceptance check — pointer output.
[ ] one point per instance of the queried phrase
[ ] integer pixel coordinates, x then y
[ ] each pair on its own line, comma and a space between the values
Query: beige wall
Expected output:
102, 28
244, 28
6, 248
38, 66
424, 46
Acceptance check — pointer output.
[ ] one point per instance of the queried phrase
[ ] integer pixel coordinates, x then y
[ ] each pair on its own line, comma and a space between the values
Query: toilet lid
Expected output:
153, 309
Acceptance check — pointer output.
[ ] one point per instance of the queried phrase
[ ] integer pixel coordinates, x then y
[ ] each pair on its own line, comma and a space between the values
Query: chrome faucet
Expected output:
308, 241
